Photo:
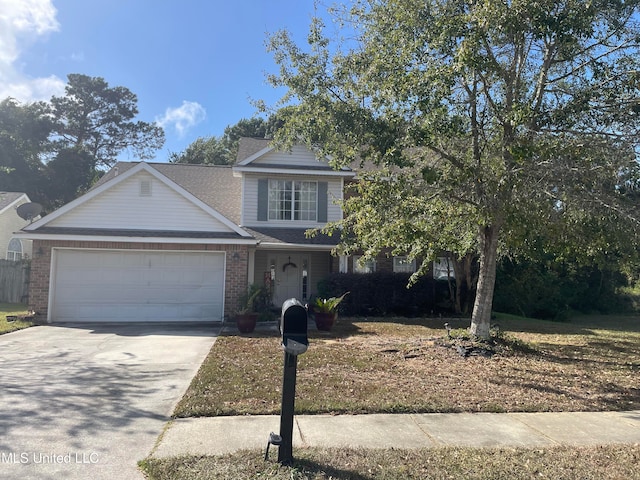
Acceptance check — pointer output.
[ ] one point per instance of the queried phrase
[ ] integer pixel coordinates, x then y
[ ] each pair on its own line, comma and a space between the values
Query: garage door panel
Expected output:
125, 286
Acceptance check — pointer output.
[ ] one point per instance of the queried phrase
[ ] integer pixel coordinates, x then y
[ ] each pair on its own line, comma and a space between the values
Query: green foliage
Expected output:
55, 151
204, 150
552, 289
70, 173
223, 150
24, 142
327, 305
382, 293
98, 119
257, 299
484, 120
12, 309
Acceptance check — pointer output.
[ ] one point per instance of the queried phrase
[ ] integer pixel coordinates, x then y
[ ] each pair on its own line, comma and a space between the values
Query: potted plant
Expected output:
247, 314
325, 311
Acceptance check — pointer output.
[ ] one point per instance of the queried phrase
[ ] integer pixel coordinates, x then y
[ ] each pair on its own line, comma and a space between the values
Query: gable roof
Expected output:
248, 147
252, 153
184, 176
214, 188
7, 199
214, 185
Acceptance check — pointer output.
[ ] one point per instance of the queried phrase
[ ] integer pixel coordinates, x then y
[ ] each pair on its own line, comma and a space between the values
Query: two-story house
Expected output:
172, 242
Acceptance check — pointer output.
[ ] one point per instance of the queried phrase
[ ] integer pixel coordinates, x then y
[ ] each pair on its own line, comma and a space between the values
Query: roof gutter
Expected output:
293, 246
112, 238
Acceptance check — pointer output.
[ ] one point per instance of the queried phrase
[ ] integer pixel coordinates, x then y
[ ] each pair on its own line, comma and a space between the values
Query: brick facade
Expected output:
236, 274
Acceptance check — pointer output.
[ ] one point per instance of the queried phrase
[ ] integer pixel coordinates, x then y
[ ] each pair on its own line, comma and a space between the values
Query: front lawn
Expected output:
603, 462
401, 365
10, 309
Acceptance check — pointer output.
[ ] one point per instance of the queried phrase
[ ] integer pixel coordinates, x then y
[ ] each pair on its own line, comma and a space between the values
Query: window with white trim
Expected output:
369, 266
343, 264
14, 250
443, 268
293, 200
402, 264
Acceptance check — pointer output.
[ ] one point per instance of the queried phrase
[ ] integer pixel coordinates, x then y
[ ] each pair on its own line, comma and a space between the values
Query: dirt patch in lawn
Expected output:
401, 365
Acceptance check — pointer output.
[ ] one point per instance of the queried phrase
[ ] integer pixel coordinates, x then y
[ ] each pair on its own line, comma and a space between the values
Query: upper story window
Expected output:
403, 265
14, 250
293, 200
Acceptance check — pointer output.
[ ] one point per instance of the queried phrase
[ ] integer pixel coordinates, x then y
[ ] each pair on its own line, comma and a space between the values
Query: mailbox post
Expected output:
293, 327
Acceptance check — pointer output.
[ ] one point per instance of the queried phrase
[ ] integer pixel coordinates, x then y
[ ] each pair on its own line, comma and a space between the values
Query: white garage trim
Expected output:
124, 285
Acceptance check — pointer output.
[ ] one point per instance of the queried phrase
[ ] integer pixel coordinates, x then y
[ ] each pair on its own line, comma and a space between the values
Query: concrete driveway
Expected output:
84, 401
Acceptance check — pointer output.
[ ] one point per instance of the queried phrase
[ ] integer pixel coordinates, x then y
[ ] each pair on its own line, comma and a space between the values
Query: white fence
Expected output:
14, 281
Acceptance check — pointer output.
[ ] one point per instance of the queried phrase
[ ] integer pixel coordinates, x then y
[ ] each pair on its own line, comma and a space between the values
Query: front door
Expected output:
288, 275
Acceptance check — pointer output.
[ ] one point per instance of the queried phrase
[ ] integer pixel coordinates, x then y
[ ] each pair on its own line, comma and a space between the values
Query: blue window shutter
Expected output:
263, 199
322, 202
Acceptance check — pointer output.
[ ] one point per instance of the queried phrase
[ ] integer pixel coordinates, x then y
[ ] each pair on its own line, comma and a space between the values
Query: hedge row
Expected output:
383, 293
551, 290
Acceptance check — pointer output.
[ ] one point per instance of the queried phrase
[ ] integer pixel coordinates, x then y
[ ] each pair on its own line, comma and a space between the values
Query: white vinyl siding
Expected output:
298, 157
319, 268
136, 286
141, 202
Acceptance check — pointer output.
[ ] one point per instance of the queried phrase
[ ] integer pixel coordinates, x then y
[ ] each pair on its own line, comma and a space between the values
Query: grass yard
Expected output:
8, 309
401, 365
585, 463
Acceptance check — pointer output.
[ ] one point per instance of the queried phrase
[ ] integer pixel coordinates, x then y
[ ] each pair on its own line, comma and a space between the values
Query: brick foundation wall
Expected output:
236, 274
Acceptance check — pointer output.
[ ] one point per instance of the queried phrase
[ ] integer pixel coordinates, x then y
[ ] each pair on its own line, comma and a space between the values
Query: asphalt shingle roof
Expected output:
7, 198
248, 146
216, 186
296, 236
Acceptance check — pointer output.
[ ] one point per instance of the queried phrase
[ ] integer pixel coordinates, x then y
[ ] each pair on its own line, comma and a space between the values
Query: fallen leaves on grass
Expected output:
601, 462
377, 367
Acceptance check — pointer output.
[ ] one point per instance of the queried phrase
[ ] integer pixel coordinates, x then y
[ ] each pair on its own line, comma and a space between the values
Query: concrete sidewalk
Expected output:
221, 435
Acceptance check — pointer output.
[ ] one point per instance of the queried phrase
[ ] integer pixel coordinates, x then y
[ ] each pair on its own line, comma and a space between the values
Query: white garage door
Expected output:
137, 286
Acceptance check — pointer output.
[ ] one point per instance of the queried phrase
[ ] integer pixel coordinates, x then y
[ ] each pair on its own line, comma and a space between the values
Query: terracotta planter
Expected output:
246, 322
325, 321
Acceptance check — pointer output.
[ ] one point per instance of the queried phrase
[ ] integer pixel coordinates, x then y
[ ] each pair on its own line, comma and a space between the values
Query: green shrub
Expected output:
551, 290
383, 293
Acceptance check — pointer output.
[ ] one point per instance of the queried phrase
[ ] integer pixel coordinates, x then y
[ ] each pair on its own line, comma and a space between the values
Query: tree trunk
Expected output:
481, 316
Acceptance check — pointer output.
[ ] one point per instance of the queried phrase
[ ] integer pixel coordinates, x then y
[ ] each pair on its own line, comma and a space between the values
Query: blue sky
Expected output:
194, 64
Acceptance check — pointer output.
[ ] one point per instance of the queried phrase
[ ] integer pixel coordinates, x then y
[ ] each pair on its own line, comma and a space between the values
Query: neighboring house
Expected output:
12, 247
172, 242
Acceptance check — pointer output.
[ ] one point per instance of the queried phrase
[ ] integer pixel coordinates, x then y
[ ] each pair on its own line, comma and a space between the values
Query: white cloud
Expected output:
182, 118
21, 23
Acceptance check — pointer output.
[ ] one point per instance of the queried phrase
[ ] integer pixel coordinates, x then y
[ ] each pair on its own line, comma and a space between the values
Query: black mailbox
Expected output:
293, 327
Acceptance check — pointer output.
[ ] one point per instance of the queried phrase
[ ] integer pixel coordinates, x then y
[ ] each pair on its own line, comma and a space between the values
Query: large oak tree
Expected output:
486, 119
